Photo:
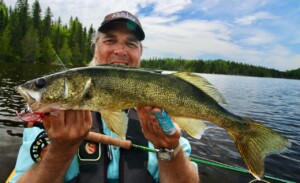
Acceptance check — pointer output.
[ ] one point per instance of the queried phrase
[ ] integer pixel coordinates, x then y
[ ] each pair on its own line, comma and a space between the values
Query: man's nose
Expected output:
120, 49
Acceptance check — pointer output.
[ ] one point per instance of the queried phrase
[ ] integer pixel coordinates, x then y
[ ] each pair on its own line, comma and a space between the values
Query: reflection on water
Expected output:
11, 127
274, 102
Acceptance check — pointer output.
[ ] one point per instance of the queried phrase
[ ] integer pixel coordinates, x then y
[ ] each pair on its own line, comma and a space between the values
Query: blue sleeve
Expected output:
25, 162
187, 149
153, 164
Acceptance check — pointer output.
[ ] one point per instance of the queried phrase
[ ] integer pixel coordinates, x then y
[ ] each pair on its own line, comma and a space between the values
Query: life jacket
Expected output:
133, 163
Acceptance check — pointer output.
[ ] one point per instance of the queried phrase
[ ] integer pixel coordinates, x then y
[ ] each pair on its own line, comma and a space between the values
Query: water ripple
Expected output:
273, 102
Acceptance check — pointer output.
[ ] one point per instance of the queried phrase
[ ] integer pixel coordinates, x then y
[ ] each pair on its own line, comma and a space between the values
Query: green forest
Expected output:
29, 36
218, 67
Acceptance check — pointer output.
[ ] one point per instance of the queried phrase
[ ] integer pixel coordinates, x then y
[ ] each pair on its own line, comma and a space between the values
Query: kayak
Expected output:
13, 172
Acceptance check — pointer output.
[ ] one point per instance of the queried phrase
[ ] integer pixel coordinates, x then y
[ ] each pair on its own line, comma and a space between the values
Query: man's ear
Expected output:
142, 48
92, 48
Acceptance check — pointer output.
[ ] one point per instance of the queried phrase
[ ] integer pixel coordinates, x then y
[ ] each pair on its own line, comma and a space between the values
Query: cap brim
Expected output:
136, 29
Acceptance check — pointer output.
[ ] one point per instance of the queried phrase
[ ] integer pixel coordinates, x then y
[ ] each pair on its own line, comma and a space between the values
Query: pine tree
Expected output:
47, 22
36, 16
3, 16
48, 55
30, 46
76, 42
27, 36
5, 48
23, 16
19, 20
15, 33
65, 53
57, 35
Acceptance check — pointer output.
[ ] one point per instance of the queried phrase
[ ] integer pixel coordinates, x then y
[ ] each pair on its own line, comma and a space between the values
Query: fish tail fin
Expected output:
254, 141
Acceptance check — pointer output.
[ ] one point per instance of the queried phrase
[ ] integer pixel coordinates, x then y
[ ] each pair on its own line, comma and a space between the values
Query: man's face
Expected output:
118, 46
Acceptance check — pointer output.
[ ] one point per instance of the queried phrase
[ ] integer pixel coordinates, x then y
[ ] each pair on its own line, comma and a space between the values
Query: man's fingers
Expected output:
80, 119
57, 120
141, 115
47, 121
88, 119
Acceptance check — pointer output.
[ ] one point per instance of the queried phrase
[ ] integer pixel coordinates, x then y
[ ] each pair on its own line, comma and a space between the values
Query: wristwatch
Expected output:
167, 154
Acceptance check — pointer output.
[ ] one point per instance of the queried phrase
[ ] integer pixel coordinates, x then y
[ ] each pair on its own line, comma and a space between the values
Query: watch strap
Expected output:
172, 152
177, 149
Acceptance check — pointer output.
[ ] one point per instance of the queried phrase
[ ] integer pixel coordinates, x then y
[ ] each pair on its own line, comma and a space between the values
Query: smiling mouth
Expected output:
119, 63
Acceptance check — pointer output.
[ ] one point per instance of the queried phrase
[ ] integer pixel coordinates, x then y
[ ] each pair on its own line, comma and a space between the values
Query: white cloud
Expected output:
278, 53
192, 39
258, 37
227, 7
251, 19
168, 7
213, 29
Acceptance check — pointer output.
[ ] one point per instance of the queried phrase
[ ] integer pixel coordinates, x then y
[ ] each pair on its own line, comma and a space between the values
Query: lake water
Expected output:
273, 102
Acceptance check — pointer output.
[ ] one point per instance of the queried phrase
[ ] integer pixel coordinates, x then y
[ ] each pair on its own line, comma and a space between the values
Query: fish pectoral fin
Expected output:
84, 93
201, 83
116, 121
194, 127
86, 89
66, 88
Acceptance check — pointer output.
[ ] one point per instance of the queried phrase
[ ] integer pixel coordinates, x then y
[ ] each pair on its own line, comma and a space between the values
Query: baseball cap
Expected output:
124, 16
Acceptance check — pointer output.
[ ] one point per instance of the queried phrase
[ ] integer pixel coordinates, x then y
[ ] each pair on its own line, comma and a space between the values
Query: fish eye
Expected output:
40, 83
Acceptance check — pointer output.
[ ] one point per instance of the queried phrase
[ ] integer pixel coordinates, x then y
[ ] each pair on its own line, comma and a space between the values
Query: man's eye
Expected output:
108, 41
131, 44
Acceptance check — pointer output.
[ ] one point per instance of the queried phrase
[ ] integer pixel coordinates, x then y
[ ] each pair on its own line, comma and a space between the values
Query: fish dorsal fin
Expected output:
201, 83
194, 127
116, 121
127, 67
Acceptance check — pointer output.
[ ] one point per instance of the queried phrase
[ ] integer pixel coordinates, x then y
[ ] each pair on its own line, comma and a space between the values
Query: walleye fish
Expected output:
188, 98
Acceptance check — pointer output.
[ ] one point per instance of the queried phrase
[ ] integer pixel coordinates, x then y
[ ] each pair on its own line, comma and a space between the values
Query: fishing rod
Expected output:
127, 144
27, 116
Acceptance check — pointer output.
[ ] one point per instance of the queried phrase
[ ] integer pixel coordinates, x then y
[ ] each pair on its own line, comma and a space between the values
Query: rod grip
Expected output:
104, 139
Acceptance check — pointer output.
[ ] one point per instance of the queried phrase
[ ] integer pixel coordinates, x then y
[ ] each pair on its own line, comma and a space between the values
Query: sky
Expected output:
257, 32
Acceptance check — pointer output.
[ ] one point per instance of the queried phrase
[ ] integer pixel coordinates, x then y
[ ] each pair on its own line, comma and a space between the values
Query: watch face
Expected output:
165, 155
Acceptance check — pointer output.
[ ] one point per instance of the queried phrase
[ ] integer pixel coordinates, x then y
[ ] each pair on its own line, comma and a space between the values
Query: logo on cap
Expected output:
124, 14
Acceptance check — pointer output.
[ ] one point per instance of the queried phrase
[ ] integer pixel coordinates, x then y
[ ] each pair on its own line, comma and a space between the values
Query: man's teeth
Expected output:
119, 63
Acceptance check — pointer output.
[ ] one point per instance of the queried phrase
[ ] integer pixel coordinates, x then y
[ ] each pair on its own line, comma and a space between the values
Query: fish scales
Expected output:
140, 88
187, 97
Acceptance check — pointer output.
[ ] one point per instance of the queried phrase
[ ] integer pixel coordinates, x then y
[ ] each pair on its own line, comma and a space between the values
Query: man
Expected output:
118, 41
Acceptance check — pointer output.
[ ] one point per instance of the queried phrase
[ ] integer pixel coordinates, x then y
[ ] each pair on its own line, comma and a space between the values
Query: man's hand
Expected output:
178, 169
67, 129
153, 131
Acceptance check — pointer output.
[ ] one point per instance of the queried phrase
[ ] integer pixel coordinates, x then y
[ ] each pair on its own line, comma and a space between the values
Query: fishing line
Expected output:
61, 63
219, 165
127, 144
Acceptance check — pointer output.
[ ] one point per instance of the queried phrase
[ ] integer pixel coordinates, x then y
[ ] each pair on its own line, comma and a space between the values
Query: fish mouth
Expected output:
32, 98
23, 92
